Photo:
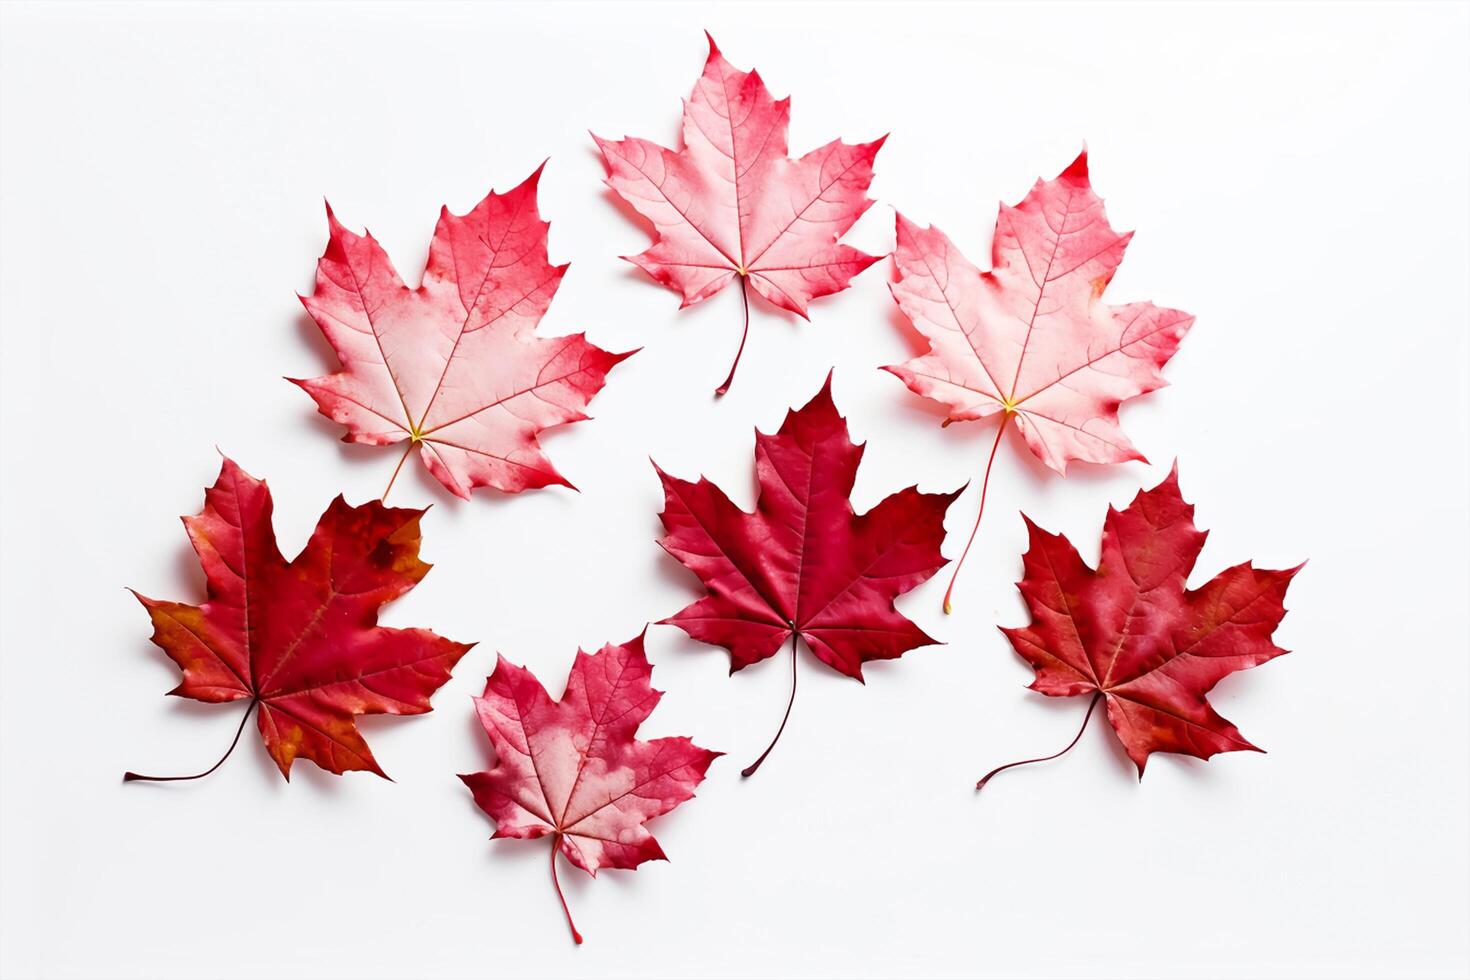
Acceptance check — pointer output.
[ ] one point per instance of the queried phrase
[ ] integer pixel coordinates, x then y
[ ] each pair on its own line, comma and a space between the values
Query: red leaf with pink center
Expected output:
573, 770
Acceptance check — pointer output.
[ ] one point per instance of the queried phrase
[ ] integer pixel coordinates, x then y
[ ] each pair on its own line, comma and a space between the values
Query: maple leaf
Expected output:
455, 367
1132, 635
299, 640
1031, 340
804, 564
731, 203
574, 770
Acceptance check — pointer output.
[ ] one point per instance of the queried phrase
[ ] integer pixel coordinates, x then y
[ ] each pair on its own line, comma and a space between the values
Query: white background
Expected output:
1298, 180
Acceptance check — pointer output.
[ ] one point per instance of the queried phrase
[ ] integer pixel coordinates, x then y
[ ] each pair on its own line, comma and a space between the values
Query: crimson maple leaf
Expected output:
299, 640
1131, 634
1031, 340
573, 769
455, 367
804, 564
732, 204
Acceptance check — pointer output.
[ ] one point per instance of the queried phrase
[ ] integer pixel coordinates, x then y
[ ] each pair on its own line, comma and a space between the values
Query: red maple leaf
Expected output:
455, 367
732, 204
299, 639
804, 564
1131, 634
573, 769
1031, 340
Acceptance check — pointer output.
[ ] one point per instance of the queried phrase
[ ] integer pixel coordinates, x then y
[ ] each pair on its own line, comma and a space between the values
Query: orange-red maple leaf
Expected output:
299, 640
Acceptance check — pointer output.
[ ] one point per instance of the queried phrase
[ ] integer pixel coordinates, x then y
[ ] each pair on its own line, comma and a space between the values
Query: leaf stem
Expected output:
128, 777
984, 489
394, 477
1026, 762
556, 846
749, 770
745, 302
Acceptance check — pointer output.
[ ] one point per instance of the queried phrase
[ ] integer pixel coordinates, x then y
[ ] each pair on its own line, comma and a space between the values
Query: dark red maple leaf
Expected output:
804, 564
573, 769
455, 367
1132, 635
299, 640
1031, 340
731, 204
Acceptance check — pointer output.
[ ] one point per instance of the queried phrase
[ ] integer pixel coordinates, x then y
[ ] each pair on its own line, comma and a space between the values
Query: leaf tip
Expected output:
1077, 169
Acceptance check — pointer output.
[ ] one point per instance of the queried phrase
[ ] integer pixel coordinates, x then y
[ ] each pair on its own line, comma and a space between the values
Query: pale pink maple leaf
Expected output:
1031, 339
455, 367
731, 203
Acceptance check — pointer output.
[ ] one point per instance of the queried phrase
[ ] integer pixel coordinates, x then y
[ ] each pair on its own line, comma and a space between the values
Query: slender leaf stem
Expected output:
750, 769
556, 883
984, 489
745, 302
1026, 762
391, 479
130, 776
